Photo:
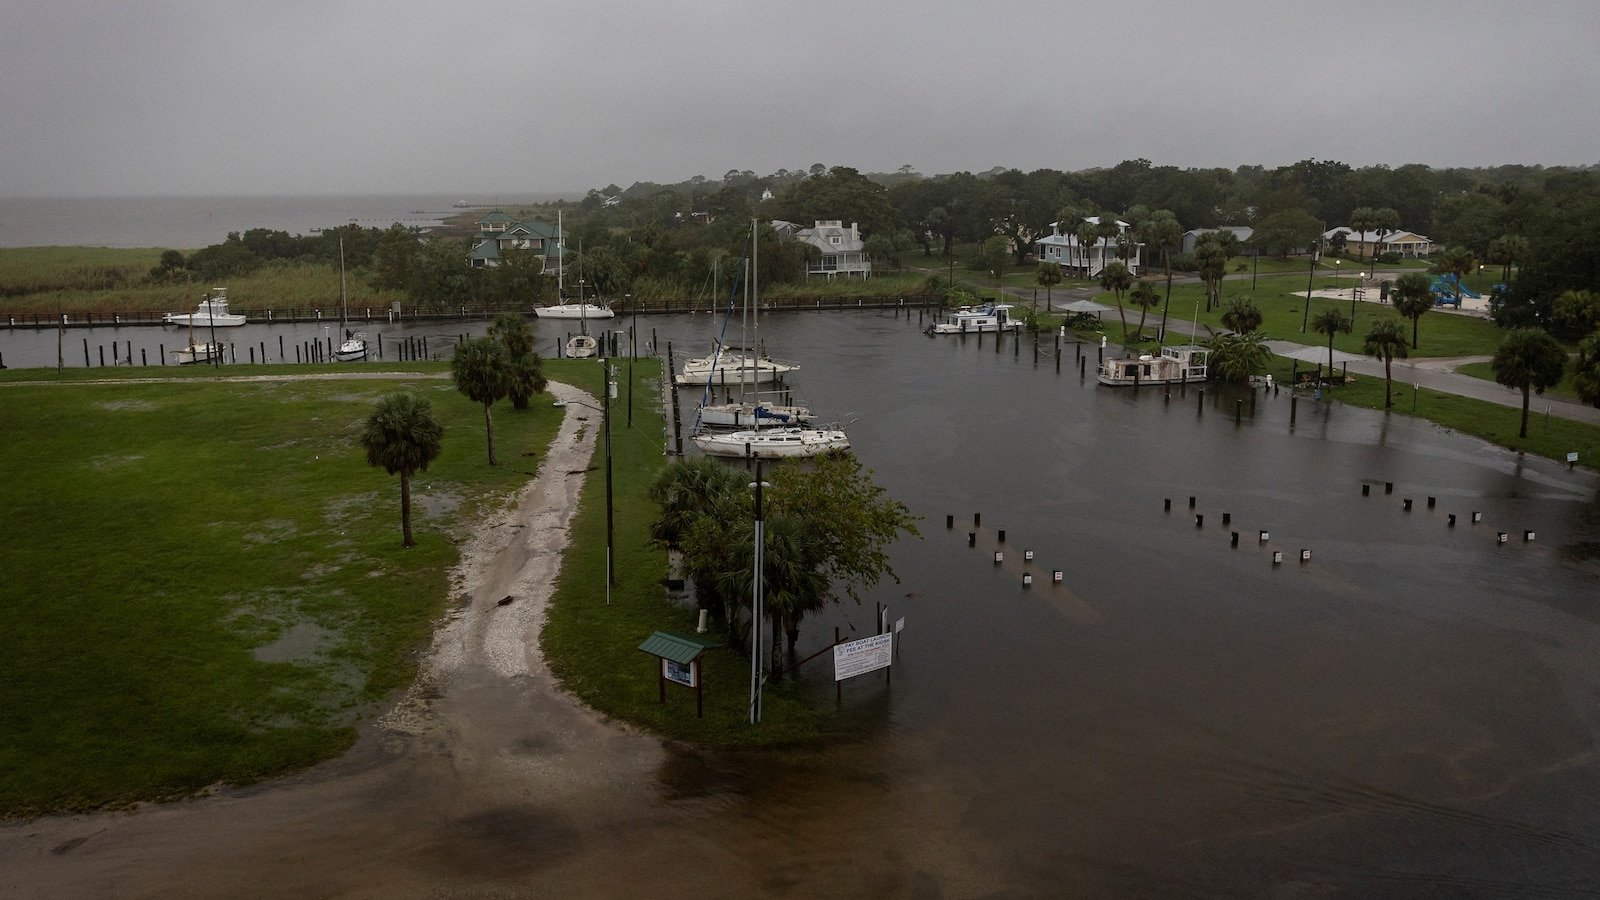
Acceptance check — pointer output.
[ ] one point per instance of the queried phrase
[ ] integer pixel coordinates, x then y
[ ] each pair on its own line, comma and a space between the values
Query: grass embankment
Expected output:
593, 647
205, 580
1552, 437
1562, 389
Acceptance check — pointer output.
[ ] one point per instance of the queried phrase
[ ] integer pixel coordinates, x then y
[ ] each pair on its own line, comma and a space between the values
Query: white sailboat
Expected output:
198, 352
582, 345
785, 442
562, 310
352, 347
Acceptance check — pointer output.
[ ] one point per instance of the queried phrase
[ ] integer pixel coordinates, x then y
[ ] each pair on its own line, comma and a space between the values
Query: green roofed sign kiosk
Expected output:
680, 663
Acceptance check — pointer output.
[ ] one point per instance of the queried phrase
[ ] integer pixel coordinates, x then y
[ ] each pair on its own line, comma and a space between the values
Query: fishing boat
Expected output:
976, 320
1175, 365
213, 311
352, 345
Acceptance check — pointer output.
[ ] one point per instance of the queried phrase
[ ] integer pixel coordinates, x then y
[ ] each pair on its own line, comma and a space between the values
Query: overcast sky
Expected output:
139, 97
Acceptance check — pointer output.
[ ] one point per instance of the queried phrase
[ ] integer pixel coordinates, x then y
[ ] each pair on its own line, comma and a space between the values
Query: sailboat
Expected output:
748, 411
562, 310
198, 352
582, 345
787, 441
352, 347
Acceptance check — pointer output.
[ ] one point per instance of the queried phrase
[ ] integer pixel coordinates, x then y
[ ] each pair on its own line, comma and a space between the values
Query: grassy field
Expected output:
205, 580
1564, 389
593, 647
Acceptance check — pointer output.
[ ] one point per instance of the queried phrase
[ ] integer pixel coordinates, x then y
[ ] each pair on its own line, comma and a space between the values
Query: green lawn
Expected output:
205, 580
1564, 389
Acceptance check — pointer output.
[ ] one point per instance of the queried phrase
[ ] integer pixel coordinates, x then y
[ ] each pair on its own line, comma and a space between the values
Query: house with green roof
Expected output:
499, 233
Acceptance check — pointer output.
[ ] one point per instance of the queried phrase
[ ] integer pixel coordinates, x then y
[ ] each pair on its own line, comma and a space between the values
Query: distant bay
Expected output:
187, 223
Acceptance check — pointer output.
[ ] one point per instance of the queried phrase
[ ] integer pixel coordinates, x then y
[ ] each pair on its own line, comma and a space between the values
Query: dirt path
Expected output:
484, 772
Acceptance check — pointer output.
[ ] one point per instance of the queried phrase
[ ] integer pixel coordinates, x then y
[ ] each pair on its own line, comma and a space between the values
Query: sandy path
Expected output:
483, 753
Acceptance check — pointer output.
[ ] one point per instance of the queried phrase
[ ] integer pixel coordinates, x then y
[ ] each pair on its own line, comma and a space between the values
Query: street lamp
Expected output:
758, 593
1361, 279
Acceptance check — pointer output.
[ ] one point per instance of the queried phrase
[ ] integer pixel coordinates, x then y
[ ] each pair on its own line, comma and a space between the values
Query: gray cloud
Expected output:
370, 97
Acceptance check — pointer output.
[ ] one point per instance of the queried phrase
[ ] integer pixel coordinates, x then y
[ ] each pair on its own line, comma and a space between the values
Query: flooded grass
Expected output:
193, 597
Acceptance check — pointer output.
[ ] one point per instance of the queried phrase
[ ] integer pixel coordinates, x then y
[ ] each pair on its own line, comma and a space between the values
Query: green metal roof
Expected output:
680, 648
496, 216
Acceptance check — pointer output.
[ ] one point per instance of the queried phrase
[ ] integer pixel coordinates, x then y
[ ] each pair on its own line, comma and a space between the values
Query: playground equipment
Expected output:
1448, 290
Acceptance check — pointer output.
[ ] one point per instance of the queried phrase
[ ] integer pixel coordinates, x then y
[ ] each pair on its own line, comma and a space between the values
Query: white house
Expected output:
1407, 244
843, 252
1086, 260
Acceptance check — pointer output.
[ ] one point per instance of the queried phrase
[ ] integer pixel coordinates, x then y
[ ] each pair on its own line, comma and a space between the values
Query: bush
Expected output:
1389, 258
1184, 262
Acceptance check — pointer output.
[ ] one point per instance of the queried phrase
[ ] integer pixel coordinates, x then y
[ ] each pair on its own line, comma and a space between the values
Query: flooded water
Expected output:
1411, 711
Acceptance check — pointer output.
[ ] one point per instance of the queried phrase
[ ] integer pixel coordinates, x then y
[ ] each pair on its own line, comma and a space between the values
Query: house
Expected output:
1087, 260
1407, 244
499, 232
1193, 235
843, 252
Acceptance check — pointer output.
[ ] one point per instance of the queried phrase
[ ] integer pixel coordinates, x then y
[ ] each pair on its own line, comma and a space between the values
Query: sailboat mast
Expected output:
341, 286
561, 259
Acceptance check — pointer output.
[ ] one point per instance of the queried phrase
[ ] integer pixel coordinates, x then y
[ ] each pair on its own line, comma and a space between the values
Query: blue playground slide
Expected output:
1446, 286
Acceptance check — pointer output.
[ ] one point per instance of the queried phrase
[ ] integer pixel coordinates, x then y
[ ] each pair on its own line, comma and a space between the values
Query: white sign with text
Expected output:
860, 657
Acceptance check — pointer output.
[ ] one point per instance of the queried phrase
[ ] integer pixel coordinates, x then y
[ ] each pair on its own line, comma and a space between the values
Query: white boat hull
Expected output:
582, 346
574, 311
353, 350
199, 321
745, 415
772, 443
730, 372
197, 353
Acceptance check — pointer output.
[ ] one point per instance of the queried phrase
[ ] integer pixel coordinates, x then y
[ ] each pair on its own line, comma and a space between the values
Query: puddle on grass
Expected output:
126, 405
300, 642
436, 505
270, 531
107, 463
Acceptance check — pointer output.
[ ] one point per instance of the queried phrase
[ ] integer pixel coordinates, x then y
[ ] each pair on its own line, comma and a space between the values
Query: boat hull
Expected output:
574, 311
228, 321
772, 443
745, 415
582, 346
353, 350
197, 353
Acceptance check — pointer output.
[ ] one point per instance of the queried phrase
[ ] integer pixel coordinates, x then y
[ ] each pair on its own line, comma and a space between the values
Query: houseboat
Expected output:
977, 319
1175, 365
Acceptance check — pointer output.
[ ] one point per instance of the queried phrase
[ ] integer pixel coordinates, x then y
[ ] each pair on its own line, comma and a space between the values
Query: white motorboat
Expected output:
772, 443
197, 353
574, 311
213, 311
582, 346
730, 367
977, 319
1175, 365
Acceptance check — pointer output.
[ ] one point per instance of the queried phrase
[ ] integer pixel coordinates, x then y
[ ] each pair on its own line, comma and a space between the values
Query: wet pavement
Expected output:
1410, 711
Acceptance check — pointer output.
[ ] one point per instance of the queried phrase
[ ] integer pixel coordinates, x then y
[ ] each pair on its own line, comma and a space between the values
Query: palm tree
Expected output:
1161, 229
1364, 219
1385, 221
1386, 340
481, 373
1412, 296
1049, 276
1586, 371
1241, 316
524, 367
793, 555
1237, 357
1143, 296
402, 436
1330, 322
1455, 261
690, 488
1088, 234
1528, 359
1506, 250
1211, 259
1116, 278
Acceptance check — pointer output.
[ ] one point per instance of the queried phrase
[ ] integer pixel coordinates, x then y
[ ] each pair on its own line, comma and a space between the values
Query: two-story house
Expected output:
843, 252
1086, 259
499, 232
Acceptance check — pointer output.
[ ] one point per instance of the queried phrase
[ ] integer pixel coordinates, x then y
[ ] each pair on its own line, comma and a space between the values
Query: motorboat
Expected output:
731, 367
772, 443
582, 346
977, 319
1175, 365
212, 311
574, 311
198, 353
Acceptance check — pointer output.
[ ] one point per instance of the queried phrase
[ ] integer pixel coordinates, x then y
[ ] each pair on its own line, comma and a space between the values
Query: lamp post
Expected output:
757, 596
605, 417
1311, 277
1361, 279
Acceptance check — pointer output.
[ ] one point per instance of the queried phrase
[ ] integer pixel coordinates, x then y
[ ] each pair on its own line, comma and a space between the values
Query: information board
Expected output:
678, 673
860, 657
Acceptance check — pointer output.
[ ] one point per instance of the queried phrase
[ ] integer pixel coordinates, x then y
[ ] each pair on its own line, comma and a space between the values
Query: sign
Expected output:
860, 657
1572, 457
678, 673
899, 624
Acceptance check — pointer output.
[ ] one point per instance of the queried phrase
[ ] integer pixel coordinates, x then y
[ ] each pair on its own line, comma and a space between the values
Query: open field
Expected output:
205, 579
